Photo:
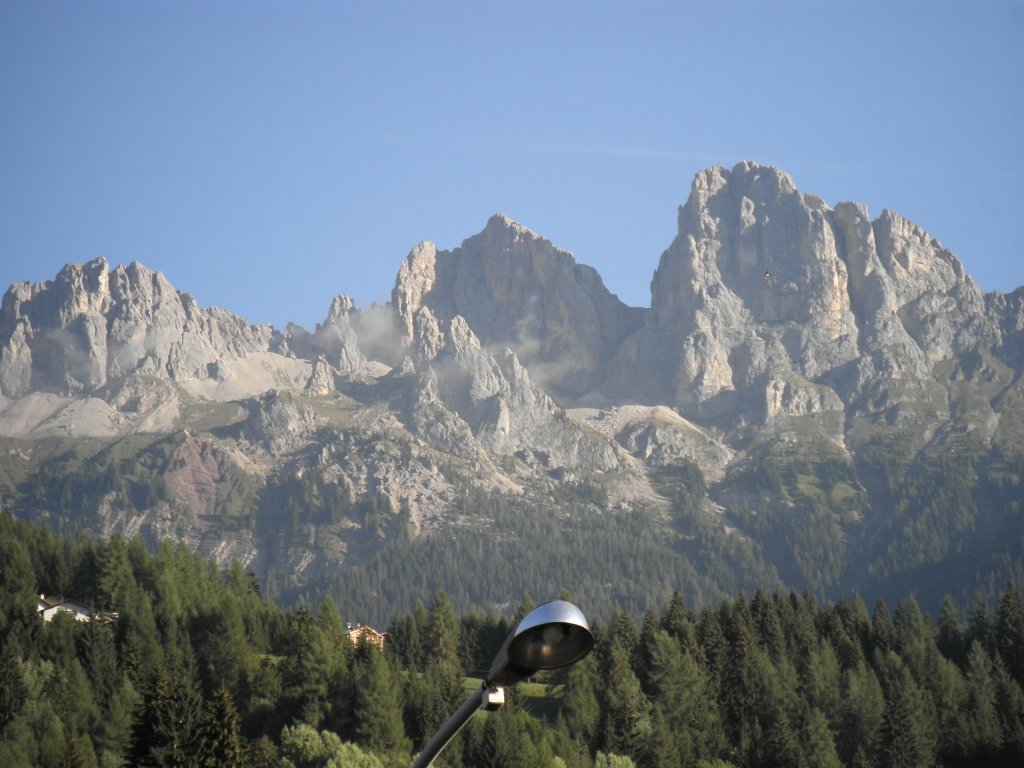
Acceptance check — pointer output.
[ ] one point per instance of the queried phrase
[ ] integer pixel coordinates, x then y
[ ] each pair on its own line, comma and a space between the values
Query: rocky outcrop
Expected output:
336, 340
762, 280
515, 289
1009, 311
321, 380
493, 396
91, 326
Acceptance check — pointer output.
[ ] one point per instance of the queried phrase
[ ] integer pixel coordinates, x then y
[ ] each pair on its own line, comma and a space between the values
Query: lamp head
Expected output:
552, 635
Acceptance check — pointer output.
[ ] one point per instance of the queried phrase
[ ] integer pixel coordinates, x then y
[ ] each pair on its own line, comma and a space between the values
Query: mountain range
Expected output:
814, 400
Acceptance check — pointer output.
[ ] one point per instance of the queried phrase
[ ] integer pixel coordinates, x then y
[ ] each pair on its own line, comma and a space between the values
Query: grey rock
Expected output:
321, 380
91, 326
515, 289
763, 280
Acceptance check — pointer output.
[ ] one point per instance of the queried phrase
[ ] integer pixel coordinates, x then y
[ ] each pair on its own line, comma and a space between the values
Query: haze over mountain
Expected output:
814, 399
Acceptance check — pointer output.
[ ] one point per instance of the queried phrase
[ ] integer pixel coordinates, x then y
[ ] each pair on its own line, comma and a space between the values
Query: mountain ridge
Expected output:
765, 418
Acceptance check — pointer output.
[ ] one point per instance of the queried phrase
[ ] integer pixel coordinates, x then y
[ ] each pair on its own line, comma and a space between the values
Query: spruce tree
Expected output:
13, 692
676, 620
99, 658
221, 735
950, 635
1010, 705
1009, 632
907, 740
377, 703
580, 708
168, 733
627, 712
679, 689
979, 735
817, 743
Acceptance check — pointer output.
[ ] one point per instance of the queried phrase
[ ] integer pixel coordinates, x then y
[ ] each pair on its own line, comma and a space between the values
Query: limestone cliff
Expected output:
515, 289
763, 280
91, 327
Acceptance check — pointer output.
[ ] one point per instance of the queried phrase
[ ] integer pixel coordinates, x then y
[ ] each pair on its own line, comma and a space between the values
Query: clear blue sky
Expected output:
267, 156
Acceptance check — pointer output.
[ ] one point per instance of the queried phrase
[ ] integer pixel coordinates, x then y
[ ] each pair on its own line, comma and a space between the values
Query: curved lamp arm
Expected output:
447, 731
552, 635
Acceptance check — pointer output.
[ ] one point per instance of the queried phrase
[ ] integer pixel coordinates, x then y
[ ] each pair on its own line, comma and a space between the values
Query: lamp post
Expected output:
552, 635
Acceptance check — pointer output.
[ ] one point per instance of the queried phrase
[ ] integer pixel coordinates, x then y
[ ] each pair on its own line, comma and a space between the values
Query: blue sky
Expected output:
266, 156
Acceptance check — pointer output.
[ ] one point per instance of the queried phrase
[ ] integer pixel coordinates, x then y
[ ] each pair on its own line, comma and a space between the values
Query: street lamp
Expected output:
552, 635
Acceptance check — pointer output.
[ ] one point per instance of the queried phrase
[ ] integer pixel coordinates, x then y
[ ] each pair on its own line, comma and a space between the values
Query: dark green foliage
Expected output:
627, 726
220, 734
199, 669
171, 728
520, 546
17, 588
13, 692
377, 703
581, 709
1009, 633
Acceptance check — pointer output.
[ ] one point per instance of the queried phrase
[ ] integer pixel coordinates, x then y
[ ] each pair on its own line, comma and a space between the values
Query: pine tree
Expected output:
377, 704
315, 671
116, 578
69, 693
883, 633
950, 635
767, 625
221, 734
664, 751
980, 625
627, 712
443, 633
679, 689
441, 693
780, 746
18, 625
13, 692
817, 743
743, 692
649, 629
168, 733
907, 740
676, 620
978, 732
99, 657
112, 735
623, 632
1009, 632
580, 708
713, 644
822, 681
1010, 706
862, 711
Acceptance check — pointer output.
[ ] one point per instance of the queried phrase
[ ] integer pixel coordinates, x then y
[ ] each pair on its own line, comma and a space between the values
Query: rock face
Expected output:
493, 395
763, 281
92, 326
514, 289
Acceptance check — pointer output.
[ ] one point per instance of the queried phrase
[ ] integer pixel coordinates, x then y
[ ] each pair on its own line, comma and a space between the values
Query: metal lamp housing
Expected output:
551, 636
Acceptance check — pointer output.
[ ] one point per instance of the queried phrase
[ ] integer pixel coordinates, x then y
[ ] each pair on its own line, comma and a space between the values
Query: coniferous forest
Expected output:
199, 668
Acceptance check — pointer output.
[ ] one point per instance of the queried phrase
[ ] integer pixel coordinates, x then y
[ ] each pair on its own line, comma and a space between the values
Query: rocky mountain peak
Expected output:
501, 228
415, 280
341, 306
91, 326
515, 289
763, 279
